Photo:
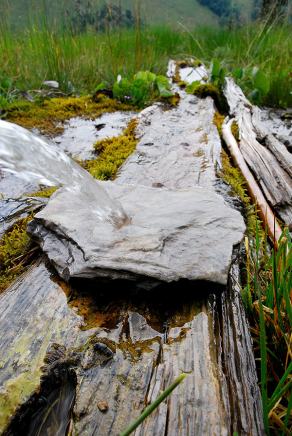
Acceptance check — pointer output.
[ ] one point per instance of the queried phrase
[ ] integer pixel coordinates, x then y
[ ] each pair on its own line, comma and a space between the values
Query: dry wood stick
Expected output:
255, 192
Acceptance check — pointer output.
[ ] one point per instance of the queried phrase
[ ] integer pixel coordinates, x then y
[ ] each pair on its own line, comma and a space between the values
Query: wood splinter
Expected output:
265, 211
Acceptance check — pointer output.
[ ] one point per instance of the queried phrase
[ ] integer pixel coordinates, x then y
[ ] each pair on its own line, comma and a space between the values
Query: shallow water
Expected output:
34, 160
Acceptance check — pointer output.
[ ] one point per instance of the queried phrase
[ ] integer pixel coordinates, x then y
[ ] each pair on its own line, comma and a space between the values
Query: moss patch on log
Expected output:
49, 115
16, 251
204, 90
44, 193
233, 177
112, 153
218, 121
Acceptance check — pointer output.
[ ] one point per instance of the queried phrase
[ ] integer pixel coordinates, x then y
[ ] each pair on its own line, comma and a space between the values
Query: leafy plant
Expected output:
8, 92
142, 89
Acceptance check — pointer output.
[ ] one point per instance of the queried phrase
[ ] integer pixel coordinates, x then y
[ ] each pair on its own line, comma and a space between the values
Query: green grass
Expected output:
267, 298
80, 62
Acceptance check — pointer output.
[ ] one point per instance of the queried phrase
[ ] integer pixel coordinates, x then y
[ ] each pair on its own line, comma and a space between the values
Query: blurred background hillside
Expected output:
85, 14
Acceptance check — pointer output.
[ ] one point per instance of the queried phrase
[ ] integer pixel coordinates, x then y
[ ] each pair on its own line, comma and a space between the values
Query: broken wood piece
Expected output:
255, 192
271, 170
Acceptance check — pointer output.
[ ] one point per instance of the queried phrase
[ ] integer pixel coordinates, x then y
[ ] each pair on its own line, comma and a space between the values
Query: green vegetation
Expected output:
142, 89
267, 298
258, 56
153, 406
112, 153
46, 115
16, 249
44, 193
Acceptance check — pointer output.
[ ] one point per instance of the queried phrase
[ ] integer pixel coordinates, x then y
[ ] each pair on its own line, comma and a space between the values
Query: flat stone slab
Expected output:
171, 235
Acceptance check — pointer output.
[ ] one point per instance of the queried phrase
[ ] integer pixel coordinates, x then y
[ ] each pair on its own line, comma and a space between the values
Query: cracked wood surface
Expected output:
266, 156
205, 336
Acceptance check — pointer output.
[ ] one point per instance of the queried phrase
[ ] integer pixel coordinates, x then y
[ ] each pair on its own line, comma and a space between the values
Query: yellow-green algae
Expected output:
48, 115
15, 251
112, 153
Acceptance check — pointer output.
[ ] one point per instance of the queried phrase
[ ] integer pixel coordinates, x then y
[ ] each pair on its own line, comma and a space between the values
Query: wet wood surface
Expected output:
125, 345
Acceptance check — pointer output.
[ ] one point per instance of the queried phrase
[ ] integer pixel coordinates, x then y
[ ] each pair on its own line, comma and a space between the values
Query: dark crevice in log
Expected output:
48, 411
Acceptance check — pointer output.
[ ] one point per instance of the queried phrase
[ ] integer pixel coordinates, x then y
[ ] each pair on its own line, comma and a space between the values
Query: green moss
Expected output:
44, 193
48, 115
112, 153
15, 250
233, 177
235, 131
203, 90
218, 121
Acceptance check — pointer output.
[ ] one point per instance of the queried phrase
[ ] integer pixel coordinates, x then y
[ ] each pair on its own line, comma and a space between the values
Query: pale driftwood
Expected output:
268, 161
255, 192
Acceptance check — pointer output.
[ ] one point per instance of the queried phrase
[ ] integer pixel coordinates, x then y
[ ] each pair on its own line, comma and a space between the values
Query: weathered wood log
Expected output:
138, 342
273, 177
134, 351
256, 194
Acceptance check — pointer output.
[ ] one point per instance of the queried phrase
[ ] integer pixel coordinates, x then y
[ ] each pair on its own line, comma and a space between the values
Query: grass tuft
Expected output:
269, 288
16, 249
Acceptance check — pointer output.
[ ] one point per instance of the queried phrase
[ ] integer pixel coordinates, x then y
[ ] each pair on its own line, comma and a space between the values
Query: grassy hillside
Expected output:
173, 12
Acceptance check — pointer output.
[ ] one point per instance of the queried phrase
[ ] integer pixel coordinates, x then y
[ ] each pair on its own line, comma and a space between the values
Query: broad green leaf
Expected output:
146, 76
163, 87
216, 67
237, 73
192, 87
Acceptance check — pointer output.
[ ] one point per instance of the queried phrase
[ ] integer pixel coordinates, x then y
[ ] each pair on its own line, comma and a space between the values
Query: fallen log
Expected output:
255, 192
268, 161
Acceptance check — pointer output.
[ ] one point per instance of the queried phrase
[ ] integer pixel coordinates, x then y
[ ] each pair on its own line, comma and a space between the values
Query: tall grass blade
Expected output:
153, 406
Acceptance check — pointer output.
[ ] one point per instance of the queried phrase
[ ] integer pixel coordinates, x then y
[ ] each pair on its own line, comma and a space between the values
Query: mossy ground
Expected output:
48, 115
16, 250
112, 153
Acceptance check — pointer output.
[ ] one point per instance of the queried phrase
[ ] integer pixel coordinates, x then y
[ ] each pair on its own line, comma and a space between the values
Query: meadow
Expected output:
257, 55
